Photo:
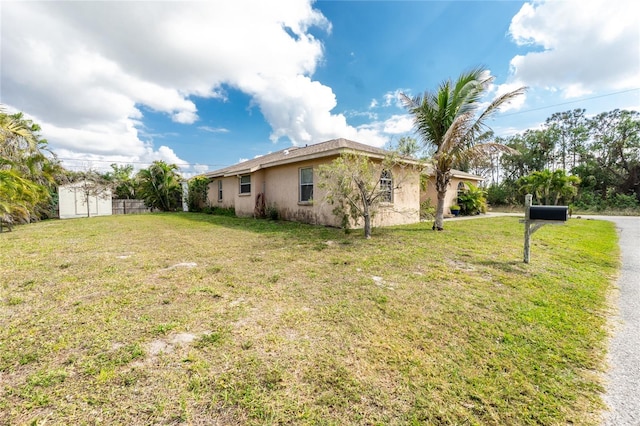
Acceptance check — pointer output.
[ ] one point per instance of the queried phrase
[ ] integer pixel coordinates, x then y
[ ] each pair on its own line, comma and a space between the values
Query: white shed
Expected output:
73, 197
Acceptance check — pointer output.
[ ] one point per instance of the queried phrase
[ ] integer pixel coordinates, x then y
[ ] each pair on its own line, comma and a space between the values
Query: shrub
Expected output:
500, 194
272, 212
472, 201
198, 187
427, 210
223, 211
621, 201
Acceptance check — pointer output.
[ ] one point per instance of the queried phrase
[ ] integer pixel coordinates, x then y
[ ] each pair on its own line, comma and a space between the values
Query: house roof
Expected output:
329, 148
465, 175
297, 154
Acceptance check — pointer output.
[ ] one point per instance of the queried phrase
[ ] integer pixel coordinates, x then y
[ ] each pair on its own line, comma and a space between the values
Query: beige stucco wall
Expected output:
230, 188
452, 192
281, 187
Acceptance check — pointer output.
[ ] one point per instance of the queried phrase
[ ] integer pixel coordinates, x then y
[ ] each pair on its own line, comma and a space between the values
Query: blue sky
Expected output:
207, 84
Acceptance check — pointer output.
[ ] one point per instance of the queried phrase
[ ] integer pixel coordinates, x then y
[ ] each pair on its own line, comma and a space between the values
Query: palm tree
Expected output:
159, 186
549, 187
451, 121
26, 174
18, 196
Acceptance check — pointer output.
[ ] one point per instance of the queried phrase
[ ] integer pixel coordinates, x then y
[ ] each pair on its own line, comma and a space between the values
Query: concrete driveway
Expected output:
622, 393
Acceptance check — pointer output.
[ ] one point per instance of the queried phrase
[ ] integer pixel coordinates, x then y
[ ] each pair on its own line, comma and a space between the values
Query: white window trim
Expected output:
387, 176
220, 194
244, 184
300, 185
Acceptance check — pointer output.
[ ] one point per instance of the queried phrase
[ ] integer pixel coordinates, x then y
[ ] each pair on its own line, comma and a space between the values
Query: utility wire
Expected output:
225, 165
570, 102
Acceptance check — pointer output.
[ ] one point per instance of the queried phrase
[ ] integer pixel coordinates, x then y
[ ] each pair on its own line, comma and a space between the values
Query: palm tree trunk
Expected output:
442, 182
439, 222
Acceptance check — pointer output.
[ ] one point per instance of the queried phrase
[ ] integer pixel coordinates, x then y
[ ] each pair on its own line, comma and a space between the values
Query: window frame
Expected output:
219, 189
302, 184
386, 187
461, 189
244, 185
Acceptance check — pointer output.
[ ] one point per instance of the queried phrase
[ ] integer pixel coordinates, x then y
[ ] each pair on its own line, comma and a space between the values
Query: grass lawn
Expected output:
200, 319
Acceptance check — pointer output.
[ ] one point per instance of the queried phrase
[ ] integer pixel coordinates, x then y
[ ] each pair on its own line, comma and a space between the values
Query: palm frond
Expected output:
493, 108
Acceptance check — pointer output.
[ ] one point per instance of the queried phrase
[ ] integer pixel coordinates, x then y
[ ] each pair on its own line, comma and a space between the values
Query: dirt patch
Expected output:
181, 265
169, 344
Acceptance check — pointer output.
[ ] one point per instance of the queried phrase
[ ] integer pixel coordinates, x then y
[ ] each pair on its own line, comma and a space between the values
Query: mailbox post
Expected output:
537, 216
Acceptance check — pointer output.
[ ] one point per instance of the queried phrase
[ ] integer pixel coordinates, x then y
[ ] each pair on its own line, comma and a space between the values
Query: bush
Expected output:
589, 200
621, 201
272, 212
501, 194
472, 201
221, 211
427, 210
198, 187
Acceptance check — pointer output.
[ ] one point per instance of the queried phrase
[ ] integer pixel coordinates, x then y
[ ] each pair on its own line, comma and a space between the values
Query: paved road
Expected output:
623, 378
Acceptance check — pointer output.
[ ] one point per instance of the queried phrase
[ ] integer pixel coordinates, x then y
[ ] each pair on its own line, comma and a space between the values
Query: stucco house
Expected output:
287, 180
456, 186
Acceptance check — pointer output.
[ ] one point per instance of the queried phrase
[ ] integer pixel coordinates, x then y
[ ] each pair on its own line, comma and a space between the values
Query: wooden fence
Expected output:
129, 207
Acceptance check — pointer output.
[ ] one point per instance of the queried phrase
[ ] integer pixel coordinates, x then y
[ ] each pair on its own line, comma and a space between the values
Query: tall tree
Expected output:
160, 187
452, 120
570, 131
122, 181
29, 169
616, 150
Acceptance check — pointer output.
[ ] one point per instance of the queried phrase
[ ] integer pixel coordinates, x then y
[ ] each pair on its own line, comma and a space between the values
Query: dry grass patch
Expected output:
163, 319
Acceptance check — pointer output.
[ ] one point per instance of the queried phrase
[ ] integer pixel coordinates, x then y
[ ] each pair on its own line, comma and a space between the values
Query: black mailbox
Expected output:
557, 213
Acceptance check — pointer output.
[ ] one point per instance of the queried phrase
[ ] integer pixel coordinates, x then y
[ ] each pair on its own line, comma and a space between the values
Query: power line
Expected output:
225, 165
133, 162
570, 102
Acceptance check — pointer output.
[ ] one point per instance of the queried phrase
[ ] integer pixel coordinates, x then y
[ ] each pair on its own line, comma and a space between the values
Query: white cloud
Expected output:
200, 168
213, 129
394, 98
398, 124
583, 46
514, 104
87, 71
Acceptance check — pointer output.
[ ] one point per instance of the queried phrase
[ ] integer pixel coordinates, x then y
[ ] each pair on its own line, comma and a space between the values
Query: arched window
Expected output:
461, 189
386, 187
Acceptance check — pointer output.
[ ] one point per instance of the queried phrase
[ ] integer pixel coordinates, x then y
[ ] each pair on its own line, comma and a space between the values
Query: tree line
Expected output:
597, 156
590, 162
30, 174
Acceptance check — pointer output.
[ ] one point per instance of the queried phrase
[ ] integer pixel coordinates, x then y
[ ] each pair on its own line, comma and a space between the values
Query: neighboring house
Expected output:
456, 186
72, 201
287, 181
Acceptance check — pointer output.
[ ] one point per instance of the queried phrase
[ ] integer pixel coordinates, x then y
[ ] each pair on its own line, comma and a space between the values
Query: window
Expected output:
386, 187
306, 184
220, 190
245, 184
461, 189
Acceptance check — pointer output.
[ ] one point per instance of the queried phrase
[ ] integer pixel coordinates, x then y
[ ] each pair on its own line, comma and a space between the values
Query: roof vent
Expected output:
286, 152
